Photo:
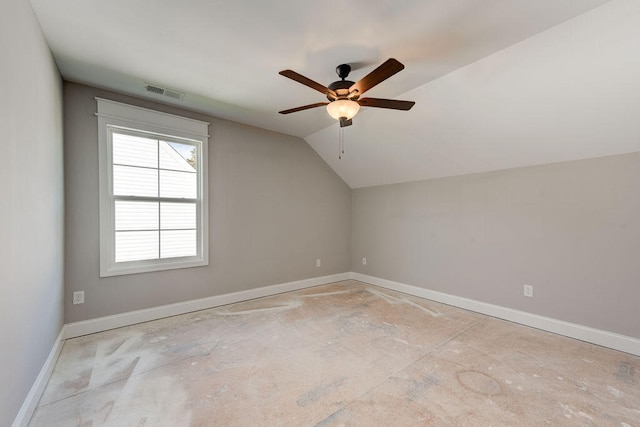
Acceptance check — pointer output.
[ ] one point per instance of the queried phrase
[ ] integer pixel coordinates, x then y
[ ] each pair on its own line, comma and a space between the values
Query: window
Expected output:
153, 176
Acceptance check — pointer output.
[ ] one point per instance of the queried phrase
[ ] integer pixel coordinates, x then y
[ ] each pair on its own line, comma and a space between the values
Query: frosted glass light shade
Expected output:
343, 108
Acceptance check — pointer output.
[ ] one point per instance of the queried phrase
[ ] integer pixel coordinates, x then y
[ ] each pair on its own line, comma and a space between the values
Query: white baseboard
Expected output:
85, 327
71, 330
572, 330
32, 399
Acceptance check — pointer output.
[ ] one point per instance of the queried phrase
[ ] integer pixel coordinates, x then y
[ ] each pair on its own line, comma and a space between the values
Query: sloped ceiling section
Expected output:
568, 93
497, 83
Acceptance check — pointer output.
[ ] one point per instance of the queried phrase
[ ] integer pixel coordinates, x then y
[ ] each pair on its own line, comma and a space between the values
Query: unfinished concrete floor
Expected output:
340, 354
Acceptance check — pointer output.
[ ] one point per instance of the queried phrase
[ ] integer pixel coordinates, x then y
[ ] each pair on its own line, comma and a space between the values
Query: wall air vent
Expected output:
163, 91
154, 89
173, 94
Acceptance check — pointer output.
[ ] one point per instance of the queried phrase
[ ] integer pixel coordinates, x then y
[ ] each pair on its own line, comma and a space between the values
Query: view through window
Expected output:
155, 190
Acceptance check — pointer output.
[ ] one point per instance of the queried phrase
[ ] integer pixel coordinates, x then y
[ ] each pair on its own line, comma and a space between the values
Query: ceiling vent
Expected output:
158, 90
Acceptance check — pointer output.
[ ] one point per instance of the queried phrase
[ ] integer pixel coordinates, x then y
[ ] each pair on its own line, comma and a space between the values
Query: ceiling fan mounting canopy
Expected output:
343, 70
343, 92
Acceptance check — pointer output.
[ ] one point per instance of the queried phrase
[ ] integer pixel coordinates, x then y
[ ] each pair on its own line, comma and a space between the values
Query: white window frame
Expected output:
114, 115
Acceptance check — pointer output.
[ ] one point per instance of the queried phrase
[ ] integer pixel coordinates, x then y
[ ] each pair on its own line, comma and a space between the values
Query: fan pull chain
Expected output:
341, 143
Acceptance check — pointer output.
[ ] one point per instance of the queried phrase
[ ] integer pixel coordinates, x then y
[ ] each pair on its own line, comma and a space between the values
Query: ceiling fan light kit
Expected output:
343, 109
344, 95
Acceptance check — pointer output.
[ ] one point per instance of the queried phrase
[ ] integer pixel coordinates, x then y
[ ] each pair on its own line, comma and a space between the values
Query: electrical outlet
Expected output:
318, 262
78, 297
528, 291
364, 261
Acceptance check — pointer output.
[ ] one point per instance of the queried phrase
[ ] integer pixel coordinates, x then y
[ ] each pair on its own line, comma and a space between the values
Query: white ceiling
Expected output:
497, 83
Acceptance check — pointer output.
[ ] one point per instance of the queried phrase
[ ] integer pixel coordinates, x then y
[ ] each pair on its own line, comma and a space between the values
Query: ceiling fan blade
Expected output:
383, 72
307, 82
304, 107
392, 104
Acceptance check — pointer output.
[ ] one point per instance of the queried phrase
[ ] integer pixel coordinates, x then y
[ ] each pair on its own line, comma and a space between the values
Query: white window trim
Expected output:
113, 114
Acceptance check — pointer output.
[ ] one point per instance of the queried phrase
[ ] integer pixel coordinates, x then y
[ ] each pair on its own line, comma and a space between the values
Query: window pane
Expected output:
177, 156
178, 184
134, 181
136, 215
136, 245
178, 215
178, 243
135, 150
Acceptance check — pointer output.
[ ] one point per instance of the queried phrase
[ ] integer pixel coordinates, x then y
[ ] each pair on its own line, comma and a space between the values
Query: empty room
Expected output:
303, 213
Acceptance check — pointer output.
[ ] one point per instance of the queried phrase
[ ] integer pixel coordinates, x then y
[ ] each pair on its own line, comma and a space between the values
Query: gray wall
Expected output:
572, 230
274, 208
31, 206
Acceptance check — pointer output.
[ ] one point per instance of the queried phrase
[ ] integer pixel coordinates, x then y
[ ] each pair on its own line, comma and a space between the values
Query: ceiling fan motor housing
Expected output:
341, 88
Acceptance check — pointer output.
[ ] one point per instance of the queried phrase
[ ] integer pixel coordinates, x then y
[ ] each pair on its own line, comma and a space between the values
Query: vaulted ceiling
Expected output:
497, 83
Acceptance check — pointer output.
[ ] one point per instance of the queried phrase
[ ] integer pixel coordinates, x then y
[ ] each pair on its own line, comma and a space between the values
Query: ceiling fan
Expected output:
344, 95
